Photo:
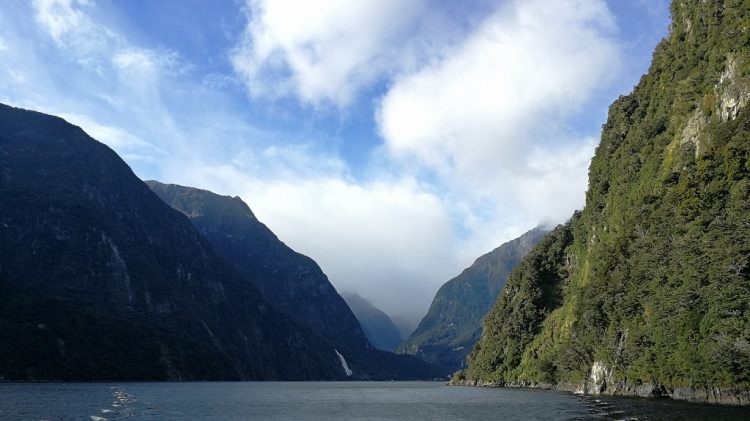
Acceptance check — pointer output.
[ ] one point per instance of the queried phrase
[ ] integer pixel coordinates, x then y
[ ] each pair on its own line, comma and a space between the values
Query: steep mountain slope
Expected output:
379, 328
99, 279
291, 282
454, 322
647, 291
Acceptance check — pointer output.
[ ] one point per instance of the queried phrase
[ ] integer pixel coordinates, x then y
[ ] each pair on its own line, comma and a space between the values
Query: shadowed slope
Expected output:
99, 279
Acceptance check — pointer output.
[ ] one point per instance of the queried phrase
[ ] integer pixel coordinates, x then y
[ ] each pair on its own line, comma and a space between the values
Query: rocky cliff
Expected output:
647, 290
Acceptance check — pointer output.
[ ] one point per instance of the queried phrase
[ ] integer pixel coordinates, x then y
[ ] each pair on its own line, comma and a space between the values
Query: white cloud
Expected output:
285, 162
554, 181
135, 59
3, 47
144, 61
93, 76
95, 46
392, 239
322, 51
483, 114
16, 75
125, 143
72, 28
120, 78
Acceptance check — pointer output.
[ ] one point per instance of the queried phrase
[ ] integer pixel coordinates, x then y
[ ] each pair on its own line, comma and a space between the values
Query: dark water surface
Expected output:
329, 401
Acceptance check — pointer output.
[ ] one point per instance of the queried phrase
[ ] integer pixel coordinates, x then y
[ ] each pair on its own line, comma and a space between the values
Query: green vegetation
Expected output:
653, 277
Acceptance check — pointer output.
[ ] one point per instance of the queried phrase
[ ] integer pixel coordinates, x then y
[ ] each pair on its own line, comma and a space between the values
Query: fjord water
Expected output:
328, 401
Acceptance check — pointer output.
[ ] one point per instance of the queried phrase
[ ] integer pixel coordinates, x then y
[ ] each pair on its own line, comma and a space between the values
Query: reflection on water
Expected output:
329, 401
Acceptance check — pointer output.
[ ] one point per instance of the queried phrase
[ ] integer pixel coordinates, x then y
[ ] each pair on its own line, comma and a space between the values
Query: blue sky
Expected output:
393, 141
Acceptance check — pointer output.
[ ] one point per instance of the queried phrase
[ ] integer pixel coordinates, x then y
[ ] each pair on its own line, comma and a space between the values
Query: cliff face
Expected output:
99, 279
647, 291
454, 321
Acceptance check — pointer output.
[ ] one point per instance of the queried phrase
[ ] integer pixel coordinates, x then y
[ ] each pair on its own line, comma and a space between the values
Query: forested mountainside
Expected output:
100, 280
378, 326
647, 290
454, 321
289, 281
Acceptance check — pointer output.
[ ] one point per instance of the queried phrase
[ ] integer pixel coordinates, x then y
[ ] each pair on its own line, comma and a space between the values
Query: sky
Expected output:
393, 141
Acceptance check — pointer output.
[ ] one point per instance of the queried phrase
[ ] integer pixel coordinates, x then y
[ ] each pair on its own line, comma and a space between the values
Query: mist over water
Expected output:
329, 401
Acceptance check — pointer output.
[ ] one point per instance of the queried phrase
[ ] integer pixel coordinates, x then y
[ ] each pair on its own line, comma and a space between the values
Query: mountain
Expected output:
647, 290
99, 279
291, 282
454, 322
379, 328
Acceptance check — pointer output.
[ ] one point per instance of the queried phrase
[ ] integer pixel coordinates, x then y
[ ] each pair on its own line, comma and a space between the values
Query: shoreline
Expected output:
713, 396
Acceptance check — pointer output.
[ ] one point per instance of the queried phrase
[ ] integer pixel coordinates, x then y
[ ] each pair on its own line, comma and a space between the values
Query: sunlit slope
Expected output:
647, 291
